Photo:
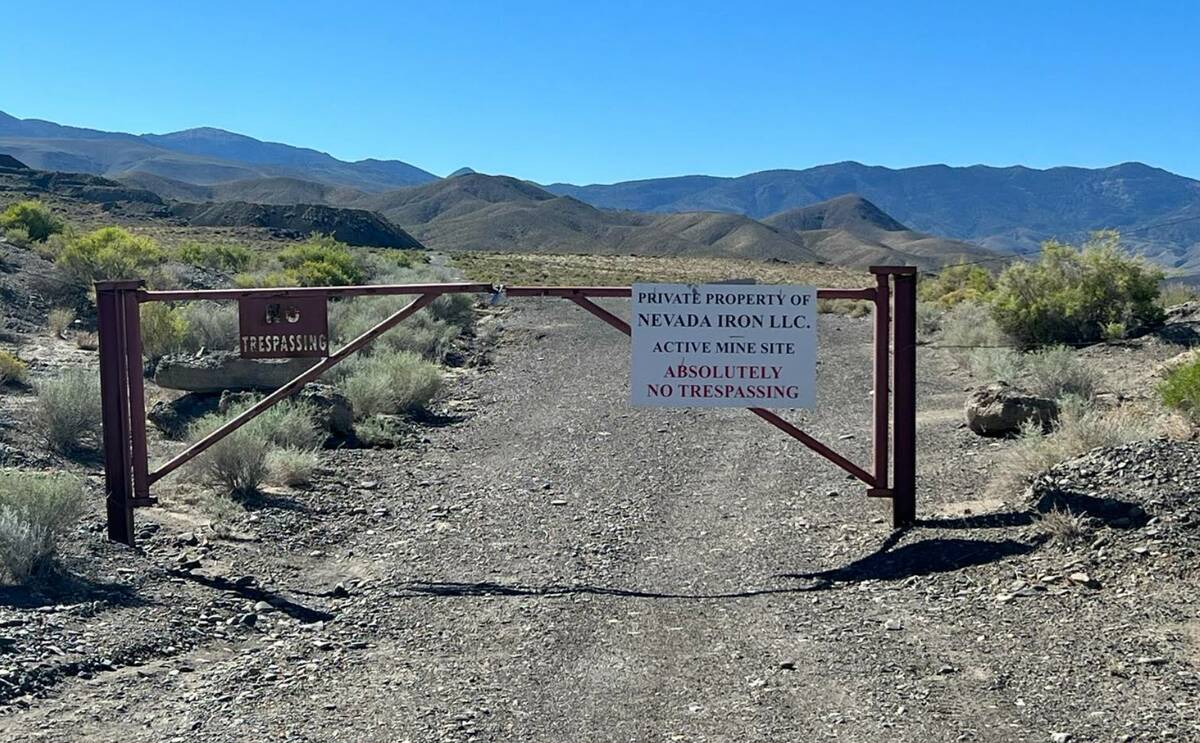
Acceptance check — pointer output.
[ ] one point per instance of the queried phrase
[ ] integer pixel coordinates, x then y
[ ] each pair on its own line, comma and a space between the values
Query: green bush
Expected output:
391, 382
955, 284
163, 329
1181, 389
12, 369
106, 254
1072, 296
67, 414
320, 261
36, 510
38, 222
217, 256
18, 236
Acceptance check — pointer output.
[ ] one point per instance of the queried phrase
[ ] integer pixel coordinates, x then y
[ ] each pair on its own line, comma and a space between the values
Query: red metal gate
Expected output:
128, 477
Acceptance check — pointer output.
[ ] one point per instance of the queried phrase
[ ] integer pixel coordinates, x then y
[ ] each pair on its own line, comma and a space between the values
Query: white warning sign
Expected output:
723, 345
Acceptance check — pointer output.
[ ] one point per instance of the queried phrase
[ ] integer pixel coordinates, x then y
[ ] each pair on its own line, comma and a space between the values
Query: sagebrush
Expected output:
390, 382
36, 510
67, 413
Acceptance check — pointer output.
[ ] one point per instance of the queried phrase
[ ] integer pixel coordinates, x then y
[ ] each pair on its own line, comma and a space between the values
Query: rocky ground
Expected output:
552, 565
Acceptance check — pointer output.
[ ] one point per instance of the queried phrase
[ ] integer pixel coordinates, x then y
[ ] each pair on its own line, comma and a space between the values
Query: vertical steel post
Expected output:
114, 402
137, 395
882, 390
904, 467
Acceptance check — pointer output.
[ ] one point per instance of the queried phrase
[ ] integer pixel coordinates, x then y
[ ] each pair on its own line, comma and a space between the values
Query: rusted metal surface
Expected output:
880, 382
290, 388
369, 290
283, 327
376, 290
904, 467
116, 434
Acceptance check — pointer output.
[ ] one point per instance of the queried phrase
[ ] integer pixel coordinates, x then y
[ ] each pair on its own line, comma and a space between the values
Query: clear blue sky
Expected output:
605, 91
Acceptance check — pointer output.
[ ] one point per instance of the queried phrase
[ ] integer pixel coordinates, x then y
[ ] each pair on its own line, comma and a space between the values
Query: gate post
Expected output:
904, 462
112, 314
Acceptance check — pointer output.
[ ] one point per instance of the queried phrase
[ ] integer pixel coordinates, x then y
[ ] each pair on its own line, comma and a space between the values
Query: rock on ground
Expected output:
1000, 409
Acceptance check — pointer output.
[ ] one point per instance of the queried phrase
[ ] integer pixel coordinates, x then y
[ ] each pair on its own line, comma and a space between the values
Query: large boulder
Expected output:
217, 371
1001, 410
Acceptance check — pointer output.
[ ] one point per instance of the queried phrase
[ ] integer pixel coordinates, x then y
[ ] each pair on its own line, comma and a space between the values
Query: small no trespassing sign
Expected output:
723, 345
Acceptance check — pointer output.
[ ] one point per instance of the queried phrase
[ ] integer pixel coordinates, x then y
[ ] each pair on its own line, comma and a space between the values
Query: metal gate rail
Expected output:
126, 469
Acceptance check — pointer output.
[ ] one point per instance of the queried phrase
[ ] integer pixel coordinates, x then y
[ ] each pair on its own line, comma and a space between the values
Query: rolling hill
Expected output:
1007, 209
473, 211
198, 156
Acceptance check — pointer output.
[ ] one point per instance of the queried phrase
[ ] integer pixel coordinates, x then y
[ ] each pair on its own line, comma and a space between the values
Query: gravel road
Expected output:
561, 567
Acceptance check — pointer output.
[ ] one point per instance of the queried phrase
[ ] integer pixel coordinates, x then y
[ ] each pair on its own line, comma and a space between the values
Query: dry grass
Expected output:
60, 321
608, 270
1063, 527
1080, 429
292, 467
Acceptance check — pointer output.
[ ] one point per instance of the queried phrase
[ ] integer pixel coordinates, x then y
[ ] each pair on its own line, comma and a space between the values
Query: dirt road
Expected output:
561, 567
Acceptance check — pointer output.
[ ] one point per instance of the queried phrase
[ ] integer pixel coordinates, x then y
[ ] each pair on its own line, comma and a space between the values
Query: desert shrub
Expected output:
455, 309
422, 333
38, 222
211, 325
1057, 372
1080, 429
238, 462
849, 307
391, 382
12, 369
36, 510
290, 425
968, 326
382, 431
292, 467
163, 329
929, 319
955, 284
320, 261
1174, 293
67, 414
1180, 390
18, 236
1070, 296
996, 365
217, 256
108, 253
61, 318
